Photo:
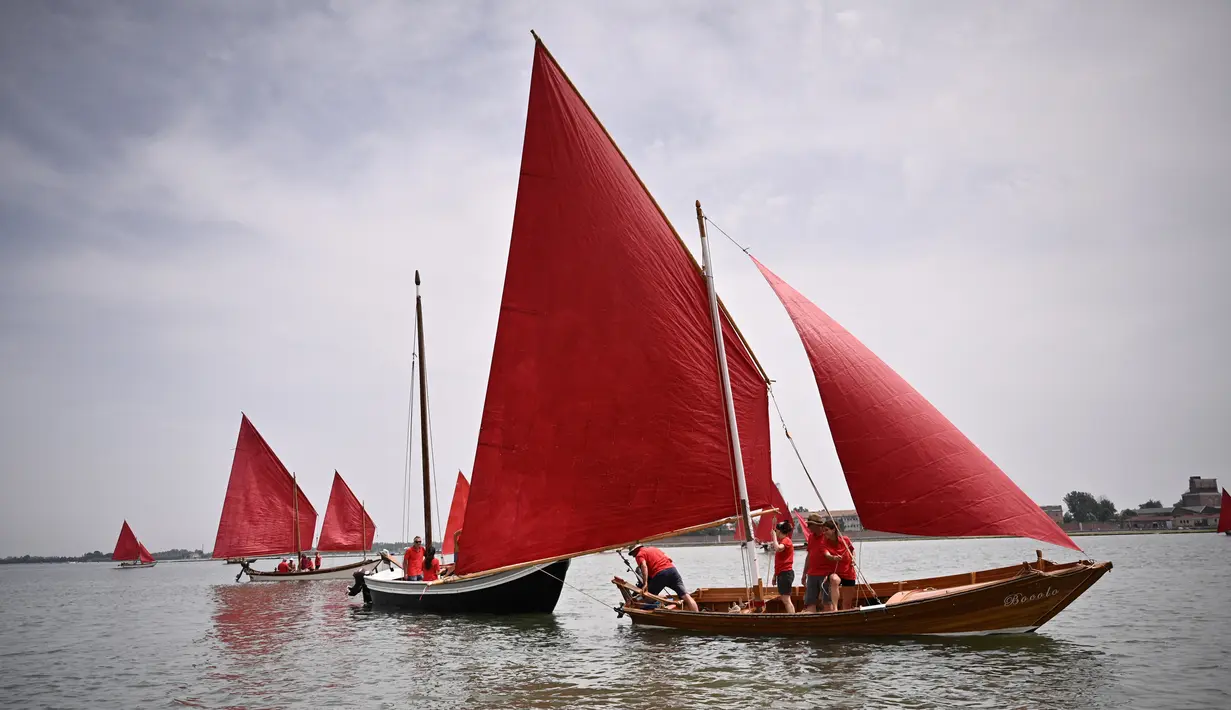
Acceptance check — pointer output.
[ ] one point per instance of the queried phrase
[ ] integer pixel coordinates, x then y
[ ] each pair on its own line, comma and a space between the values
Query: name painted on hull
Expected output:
1016, 599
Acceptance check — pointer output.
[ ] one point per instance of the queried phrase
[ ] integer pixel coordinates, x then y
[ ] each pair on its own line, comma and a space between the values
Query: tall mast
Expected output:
423, 434
295, 503
737, 458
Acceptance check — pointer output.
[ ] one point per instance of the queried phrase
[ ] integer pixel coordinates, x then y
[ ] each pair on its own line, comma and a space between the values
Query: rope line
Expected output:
728, 236
604, 604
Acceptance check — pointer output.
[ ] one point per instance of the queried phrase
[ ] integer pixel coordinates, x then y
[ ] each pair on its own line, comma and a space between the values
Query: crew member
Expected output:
412, 560
825, 553
284, 566
431, 565
659, 572
784, 563
317, 563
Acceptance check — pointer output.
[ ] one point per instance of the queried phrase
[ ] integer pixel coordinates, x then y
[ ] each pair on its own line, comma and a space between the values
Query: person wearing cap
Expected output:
825, 554
658, 572
784, 563
412, 560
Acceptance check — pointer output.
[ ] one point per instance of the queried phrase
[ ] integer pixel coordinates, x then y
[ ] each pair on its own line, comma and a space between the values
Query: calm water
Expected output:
185, 635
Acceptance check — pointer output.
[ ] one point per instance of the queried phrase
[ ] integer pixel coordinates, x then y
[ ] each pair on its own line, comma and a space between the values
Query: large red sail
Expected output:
908, 468
258, 515
126, 547
1224, 519
347, 526
457, 513
144, 554
604, 421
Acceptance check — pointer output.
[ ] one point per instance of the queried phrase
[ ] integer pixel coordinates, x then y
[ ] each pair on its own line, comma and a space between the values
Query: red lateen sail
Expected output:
1224, 520
764, 531
604, 421
803, 525
258, 515
128, 548
457, 513
908, 468
347, 526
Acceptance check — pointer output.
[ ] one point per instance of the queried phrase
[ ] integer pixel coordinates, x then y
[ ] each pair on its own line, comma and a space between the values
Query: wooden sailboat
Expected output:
585, 221
602, 423
265, 514
129, 551
1224, 519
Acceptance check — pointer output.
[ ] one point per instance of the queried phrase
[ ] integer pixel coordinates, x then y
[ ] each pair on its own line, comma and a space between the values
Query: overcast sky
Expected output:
214, 208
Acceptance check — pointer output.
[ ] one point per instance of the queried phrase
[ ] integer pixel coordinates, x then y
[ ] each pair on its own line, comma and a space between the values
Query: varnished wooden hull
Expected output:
1016, 599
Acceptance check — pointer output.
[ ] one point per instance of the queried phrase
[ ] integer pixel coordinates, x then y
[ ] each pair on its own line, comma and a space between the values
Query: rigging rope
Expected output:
604, 604
410, 423
431, 445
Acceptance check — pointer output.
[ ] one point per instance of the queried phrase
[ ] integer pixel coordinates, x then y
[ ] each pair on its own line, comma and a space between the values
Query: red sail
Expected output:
457, 513
144, 554
764, 531
1224, 520
803, 525
347, 526
258, 515
908, 468
126, 547
604, 421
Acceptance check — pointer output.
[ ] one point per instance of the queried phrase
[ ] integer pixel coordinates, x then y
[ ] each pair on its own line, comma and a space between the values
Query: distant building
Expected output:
1201, 492
848, 520
1055, 512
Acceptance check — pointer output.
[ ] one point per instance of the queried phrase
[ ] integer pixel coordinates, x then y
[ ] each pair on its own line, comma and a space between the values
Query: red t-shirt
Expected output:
655, 560
431, 572
846, 568
283, 566
317, 562
412, 561
784, 559
818, 564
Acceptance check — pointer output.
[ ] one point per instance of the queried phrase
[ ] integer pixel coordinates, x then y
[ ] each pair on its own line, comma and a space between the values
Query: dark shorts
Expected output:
817, 589
785, 580
669, 578
848, 583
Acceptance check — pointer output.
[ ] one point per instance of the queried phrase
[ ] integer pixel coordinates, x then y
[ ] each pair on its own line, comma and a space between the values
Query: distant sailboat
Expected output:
1224, 519
347, 526
265, 514
129, 551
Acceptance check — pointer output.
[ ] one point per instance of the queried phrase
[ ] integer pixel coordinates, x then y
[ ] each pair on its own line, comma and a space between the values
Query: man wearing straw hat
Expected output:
825, 554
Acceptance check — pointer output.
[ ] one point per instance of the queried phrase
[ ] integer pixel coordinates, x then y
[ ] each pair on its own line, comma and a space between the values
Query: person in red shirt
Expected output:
317, 562
825, 553
431, 565
658, 572
412, 560
784, 563
846, 570
284, 566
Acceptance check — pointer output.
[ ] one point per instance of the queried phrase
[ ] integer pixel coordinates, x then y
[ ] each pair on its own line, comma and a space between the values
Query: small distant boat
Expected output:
1224, 520
130, 552
265, 514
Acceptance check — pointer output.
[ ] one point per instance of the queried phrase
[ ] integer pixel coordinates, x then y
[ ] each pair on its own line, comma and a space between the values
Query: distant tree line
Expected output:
98, 556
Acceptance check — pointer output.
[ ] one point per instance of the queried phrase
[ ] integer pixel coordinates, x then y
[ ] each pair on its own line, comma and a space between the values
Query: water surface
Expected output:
186, 635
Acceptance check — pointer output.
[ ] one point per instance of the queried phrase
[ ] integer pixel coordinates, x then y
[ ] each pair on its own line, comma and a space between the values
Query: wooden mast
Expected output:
423, 425
737, 458
295, 504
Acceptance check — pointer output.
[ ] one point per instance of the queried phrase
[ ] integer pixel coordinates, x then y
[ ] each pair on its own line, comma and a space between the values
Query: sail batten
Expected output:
347, 526
889, 439
262, 504
603, 421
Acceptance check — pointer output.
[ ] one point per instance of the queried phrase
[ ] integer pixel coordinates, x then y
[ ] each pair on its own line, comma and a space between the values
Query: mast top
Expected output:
536, 36
416, 277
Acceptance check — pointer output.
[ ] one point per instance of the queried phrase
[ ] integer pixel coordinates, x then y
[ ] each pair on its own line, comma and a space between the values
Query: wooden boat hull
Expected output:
1005, 600
136, 565
328, 573
527, 590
